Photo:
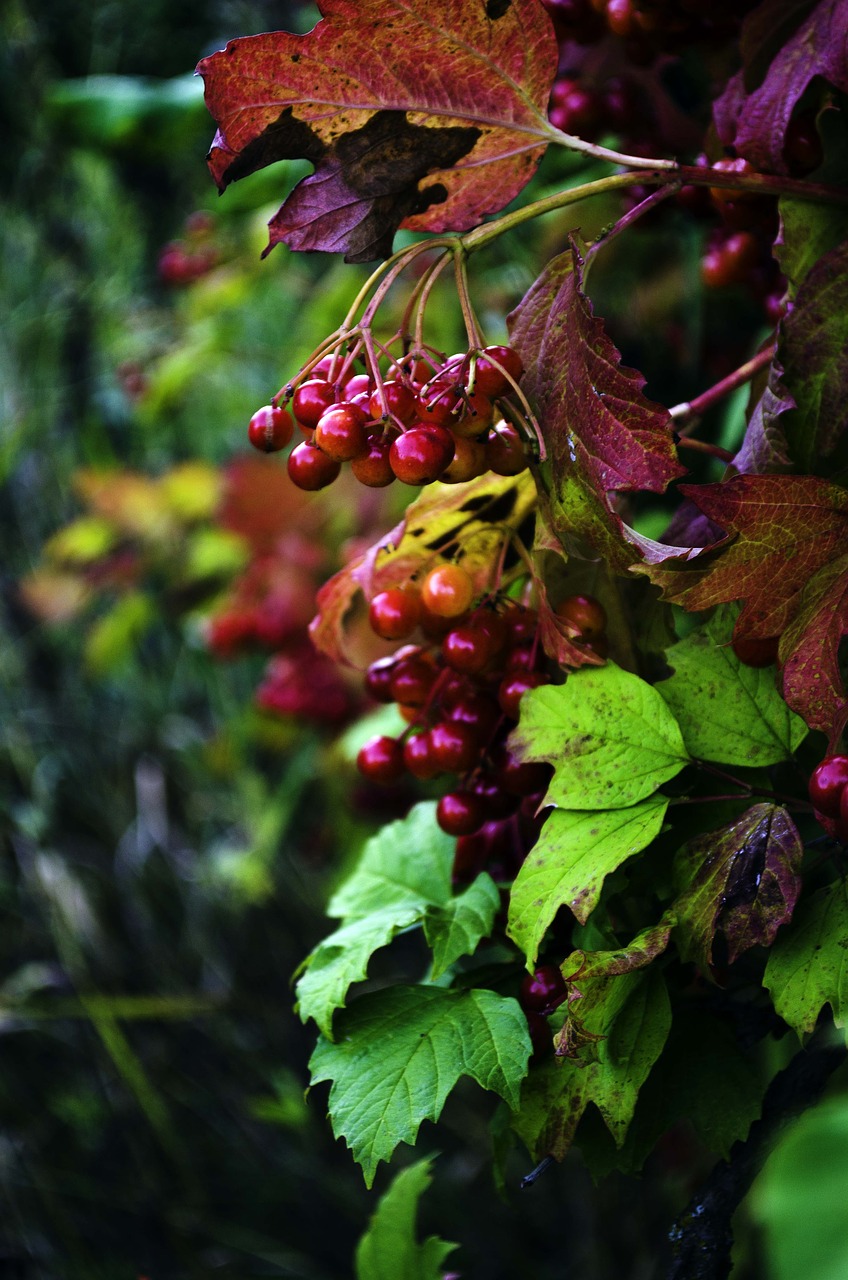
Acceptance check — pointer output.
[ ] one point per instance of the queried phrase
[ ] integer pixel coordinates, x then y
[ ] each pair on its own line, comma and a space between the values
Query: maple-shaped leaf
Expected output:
628, 1018
782, 533
402, 879
426, 114
602, 435
569, 862
465, 522
742, 880
398, 1054
388, 1249
808, 964
785, 44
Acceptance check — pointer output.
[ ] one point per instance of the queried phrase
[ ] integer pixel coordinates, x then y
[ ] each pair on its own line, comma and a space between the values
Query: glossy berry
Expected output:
418, 756
490, 379
828, 783
394, 613
460, 813
469, 461
270, 429
311, 469
447, 590
581, 615
412, 680
513, 689
401, 402
378, 679
311, 400
454, 745
340, 432
467, 648
543, 990
381, 760
505, 451
372, 467
420, 455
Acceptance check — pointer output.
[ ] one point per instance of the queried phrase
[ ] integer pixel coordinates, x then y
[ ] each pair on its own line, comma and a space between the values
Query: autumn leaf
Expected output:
784, 556
466, 522
602, 435
784, 45
428, 114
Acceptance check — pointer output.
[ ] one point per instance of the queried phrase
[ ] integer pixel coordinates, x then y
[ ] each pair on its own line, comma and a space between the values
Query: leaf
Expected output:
602, 435
742, 880
808, 965
469, 521
402, 879
814, 348
569, 862
728, 712
764, 449
809, 229
632, 1016
783, 532
400, 1052
427, 114
752, 114
609, 735
388, 1250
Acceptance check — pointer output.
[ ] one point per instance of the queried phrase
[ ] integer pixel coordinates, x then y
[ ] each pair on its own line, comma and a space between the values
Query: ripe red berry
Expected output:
447, 590
421, 454
372, 467
582, 616
401, 402
311, 400
491, 380
311, 469
270, 429
394, 613
543, 990
418, 756
467, 648
460, 813
378, 679
468, 461
513, 689
412, 680
340, 431
505, 451
827, 784
454, 746
381, 760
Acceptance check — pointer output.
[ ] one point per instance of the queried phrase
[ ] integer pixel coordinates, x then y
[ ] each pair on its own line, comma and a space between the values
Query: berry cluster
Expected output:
648, 27
450, 420
460, 691
183, 261
829, 794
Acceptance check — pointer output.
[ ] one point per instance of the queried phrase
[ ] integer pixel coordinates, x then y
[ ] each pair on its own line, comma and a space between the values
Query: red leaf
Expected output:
427, 114
785, 556
602, 435
779, 63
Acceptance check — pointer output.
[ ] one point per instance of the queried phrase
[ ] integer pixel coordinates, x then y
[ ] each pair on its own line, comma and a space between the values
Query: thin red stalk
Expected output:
689, 410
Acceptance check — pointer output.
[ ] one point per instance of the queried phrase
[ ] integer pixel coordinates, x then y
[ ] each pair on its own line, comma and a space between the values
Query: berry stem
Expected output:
632, 216
701, 446
687, 413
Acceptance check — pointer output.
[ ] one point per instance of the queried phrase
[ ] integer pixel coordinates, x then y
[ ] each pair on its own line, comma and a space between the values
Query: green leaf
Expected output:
728, 712
800, 1196
403, 879
399, 1053
808, 964
568, 864
743, 880
388, 1250
609, 735
632, 1014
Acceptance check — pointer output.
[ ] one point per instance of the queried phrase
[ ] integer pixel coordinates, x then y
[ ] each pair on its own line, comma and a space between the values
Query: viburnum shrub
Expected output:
614, 732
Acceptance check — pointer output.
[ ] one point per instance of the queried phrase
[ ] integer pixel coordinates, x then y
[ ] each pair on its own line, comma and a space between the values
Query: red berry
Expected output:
311, 469
828, 783
311, 400
401, 401
418, 756
489, 379
513, 689
505, 451
540, 1033
378, 679
469, 461
381, 760
460, 813
412, 680
543, 990
270, 429
454, 746
340, 431
467, 649
447, 590
421, 454
372, 467
582, 615
394, 613
477, 711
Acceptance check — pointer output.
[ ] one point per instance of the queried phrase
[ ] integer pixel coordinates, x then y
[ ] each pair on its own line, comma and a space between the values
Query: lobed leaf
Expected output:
428, 114
388, 1249
569, 862
808, 964
399, 1053
602, 435
728, 712
742, 880
609, 735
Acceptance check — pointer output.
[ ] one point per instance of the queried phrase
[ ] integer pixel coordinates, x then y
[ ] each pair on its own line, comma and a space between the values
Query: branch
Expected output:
702, 1237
